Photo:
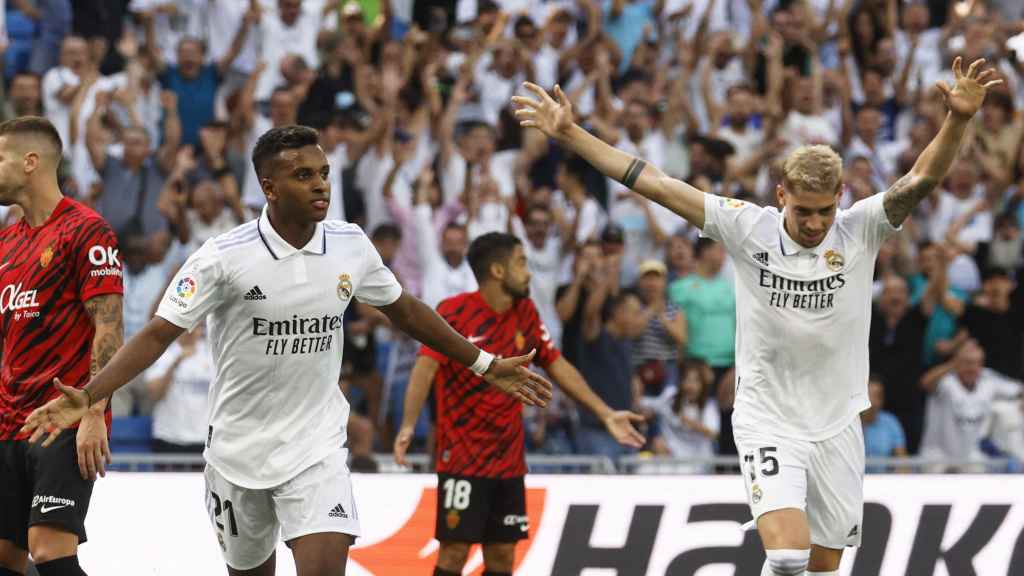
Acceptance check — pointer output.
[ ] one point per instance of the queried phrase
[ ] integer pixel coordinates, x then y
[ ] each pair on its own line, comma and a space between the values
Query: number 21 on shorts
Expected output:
456, 493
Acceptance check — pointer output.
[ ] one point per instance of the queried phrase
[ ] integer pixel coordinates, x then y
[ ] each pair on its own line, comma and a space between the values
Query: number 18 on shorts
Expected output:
481, 509
824, 479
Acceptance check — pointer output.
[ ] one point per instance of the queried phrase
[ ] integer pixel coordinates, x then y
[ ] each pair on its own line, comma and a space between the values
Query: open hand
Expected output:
402, 441
58, 414
620, 425
965, 97
545, 114
93, 446
511, 376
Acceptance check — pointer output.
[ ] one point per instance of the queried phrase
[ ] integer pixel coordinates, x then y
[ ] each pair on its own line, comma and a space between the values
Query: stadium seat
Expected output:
131, 434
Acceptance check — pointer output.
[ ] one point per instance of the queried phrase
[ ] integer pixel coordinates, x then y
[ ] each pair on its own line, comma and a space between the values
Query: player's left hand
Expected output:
58, 414
511, 376
620, 425
93, 447
965, 97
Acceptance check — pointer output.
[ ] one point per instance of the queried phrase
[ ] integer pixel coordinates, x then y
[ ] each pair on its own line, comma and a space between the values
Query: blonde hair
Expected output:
814, 168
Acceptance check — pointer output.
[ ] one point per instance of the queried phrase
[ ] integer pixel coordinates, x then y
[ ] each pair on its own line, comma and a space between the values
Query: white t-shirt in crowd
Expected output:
956, 419
277, 40
800, 129
252, 192
440, 280
169, 29
545, 264
502, 170
55, 80
223, 19
180, 417
803, 316
681, 440
950, 208
82, 169
274, 321
372, 174
338, 160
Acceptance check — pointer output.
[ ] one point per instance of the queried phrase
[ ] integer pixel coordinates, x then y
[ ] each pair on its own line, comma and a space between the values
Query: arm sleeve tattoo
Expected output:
901, 198
105, 311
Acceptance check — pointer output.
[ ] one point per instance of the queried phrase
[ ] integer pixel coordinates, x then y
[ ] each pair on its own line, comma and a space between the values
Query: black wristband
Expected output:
633, 172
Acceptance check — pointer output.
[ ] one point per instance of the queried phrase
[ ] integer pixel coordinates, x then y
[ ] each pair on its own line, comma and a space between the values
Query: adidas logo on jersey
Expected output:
255, 294
338, 512
761, 258
853, 532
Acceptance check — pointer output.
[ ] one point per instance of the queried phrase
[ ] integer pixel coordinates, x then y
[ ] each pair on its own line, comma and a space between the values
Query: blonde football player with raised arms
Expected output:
803, 300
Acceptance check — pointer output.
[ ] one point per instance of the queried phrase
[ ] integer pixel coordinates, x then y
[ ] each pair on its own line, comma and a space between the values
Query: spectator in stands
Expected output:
883, 434
609, 324
283, 110
708, 300
997, 327
179, 384
961, 396
679, 257
201, 210
194, 82
131, 185
1005, 250
895, 345
930, 287
656, 351
689, 419
545, 249
571, 298
24, 97
61, 84
292, 29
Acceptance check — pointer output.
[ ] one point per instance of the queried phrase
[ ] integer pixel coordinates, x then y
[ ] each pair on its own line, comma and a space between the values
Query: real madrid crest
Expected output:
755, 493
46, 257
344, 287
834, 260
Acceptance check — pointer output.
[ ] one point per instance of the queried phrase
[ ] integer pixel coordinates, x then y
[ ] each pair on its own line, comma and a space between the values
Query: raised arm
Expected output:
421, 322
556, 120
963, 100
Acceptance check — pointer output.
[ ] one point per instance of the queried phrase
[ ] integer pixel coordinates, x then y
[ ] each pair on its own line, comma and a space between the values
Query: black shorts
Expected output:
41, 486
481, 509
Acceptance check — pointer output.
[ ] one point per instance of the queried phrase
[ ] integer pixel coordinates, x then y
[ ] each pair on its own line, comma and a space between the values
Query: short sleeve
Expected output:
378, 285
97, 263
196, 289
868, 220
728, 220
1006, 389
547, 353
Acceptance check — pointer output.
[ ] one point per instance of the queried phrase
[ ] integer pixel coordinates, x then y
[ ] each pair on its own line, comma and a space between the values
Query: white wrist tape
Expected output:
483, 363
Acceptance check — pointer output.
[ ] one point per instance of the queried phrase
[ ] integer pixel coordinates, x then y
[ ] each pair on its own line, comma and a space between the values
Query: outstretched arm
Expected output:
618, 423
510, 375
555, 119
423, 372
963, 100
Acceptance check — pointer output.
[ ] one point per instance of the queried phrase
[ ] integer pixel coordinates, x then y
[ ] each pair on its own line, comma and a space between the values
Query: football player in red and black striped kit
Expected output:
479, 435
60, 317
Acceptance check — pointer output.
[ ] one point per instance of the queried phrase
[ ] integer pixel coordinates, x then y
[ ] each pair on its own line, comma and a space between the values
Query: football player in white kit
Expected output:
273, 292
803, 300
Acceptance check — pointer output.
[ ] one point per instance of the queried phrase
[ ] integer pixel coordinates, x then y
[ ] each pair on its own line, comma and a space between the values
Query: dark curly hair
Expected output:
276, 140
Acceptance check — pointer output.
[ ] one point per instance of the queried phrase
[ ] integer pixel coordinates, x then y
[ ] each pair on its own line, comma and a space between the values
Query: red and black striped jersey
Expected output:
47, 273
479, 428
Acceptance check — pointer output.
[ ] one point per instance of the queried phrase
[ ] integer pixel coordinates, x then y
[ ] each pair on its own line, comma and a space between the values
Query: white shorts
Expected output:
249, 523
824, 479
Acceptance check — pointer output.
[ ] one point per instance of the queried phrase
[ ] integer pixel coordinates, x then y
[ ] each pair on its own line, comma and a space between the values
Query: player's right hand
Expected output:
553, 118
511, 376
402, 441
58, 414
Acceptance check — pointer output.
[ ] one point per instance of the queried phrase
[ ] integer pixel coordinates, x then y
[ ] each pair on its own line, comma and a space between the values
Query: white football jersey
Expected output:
274, 320
803, 316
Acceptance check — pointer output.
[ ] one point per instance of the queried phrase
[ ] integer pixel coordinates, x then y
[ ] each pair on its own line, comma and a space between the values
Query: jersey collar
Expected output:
790, 247
279, 248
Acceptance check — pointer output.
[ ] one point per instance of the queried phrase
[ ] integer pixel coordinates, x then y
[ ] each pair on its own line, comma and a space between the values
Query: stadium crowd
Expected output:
159, 104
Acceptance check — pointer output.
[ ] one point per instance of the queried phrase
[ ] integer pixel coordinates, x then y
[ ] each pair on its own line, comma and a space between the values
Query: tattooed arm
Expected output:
91, 438
963, 100
105, 311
